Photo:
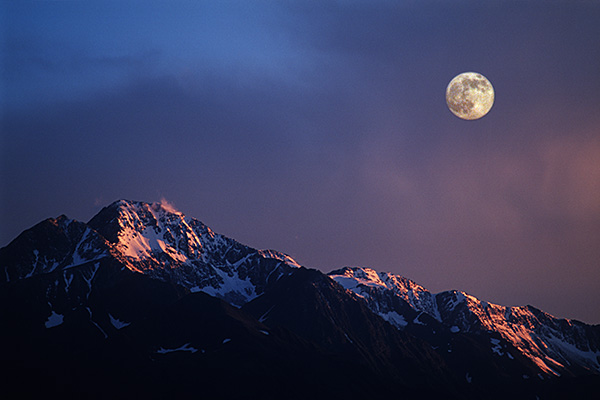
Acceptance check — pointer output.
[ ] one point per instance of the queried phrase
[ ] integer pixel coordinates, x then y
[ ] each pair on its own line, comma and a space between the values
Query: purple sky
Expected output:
320, 129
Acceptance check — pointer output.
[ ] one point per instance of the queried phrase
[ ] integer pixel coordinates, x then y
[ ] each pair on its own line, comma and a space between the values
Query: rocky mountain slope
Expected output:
556, 346
145, 301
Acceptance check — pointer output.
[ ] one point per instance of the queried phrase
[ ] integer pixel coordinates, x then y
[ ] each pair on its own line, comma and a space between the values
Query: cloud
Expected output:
168, 206
40, 70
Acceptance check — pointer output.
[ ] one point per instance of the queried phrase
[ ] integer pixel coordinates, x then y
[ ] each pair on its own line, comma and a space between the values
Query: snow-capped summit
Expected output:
148, 235
156, 240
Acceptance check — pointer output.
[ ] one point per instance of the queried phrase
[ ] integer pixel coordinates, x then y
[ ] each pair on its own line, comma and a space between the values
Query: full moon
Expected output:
470, 95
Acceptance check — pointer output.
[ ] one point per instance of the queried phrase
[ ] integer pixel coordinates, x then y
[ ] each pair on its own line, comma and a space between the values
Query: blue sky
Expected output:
75, 48
320, 129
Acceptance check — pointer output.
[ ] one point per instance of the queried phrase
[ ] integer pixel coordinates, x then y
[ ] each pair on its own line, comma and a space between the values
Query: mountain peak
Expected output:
53, 244
139, 230
157, 240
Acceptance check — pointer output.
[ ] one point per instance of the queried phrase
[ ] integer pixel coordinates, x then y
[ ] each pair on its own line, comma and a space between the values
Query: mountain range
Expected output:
145, 301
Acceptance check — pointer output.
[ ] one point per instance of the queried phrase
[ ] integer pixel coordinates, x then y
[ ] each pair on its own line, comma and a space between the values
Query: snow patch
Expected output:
264, 316
95, 324
347, 337
394, 318
36, 253
231, 288
347, 282
185, 347
417, 321
359, 276
54, 319
6, 274
496, 347
88, 275
68, 281
118, 323
279, 256
271, 273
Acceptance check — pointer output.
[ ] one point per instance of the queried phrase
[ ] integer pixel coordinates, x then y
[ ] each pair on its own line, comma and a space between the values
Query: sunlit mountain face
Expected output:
556, 346
144, 300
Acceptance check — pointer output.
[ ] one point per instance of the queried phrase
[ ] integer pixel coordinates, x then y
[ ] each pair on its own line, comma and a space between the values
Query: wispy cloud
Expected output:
168, 206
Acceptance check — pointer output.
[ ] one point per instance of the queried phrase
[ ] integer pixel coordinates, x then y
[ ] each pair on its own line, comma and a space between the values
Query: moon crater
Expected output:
470, 95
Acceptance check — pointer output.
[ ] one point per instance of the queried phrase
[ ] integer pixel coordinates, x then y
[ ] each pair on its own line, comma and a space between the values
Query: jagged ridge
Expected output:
133, 258
556, 346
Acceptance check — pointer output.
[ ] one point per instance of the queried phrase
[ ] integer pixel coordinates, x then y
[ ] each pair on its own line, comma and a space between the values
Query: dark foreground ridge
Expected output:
143, 301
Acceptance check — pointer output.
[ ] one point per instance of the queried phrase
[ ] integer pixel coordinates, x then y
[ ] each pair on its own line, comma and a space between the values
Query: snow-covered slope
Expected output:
367, 283
554, 345
159, 241
150, 239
